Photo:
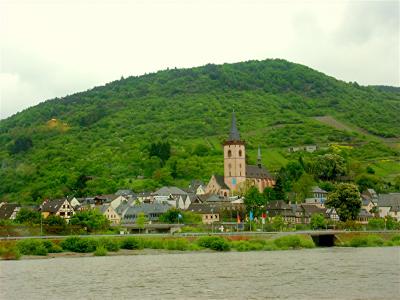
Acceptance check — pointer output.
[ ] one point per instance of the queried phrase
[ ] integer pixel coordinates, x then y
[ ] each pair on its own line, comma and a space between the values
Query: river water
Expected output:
324, 273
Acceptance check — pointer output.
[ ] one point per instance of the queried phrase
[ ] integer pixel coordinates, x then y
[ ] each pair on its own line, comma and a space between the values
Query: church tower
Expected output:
234, 158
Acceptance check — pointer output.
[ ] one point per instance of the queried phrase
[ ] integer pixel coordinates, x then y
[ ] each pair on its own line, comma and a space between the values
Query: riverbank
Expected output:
111, 246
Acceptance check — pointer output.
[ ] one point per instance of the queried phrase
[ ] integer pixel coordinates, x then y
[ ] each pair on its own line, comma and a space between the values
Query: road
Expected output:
240, 233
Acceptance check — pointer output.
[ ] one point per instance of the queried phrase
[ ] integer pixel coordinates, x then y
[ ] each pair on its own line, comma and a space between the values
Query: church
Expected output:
237, 173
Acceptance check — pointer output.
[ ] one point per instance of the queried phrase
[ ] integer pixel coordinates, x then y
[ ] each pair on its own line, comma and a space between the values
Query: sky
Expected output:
55, 48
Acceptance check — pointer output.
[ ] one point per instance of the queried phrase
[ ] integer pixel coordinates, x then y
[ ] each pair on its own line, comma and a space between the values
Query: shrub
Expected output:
10, 253
294, 242
220, 245
153, 243
70, 243
109, 244
214, 243
176, 244
366, 241
131, 243
32, 247
252, 245
41, 250
376, 224
82, 245
52, 247
241, 245
290, 241
100, 251
87, 245
395, 240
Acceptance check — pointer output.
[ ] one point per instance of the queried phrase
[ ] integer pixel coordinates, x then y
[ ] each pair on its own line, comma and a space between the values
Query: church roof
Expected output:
234, 132
257, 172
221, 182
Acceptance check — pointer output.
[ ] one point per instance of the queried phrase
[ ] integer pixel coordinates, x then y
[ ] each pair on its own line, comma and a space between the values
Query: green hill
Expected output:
101, 138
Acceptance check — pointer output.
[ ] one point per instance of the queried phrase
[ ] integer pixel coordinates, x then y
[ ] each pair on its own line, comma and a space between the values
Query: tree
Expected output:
294, 170
161, 150
329, 166
141, 220
391, 223
317, 221
370, 170
28, 216
279, 190
171, 216
21, 144
302, 187
93, 220
54, 220
346, 201
268, 194
253, 199
200, 150
369, 181
278, 223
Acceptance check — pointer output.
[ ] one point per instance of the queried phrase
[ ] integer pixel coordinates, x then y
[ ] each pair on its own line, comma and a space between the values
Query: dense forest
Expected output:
167, 128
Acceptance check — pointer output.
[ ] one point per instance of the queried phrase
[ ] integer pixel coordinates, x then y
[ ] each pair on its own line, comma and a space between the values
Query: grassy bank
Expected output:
111, 245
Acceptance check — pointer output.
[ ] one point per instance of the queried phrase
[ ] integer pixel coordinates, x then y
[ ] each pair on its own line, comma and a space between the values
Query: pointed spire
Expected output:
259, 157
234, 133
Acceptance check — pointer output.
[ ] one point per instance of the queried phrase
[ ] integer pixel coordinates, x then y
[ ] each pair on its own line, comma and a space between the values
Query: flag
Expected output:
238, 219
251, 216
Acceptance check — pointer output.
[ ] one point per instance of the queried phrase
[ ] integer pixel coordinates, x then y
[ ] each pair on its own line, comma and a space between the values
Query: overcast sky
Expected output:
54, 48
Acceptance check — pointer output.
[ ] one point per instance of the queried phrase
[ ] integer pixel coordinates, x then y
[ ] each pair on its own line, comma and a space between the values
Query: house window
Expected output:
240, 152
229, 153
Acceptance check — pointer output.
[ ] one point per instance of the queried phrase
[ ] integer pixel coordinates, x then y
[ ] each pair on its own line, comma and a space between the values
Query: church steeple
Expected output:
234, 132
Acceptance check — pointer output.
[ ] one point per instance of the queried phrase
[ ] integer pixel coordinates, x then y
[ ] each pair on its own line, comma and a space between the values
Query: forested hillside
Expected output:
167, 128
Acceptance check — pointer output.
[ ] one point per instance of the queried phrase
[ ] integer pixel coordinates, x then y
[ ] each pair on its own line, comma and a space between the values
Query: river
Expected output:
323, 273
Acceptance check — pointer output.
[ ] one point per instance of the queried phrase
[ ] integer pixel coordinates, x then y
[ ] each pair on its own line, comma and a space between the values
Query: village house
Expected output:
237, 173
389, 205
364, 216
289, 213
318, 196
75, 203
307, 148
110, 213
108, 199
209, 213
172, 195
57, 207
126, 193
8, 211
144, 197
371, 195
152, 211
332, 214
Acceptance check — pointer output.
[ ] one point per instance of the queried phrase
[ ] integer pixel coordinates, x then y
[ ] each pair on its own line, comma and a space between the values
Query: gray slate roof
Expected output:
221, 182
258, 172
203, 208
52, 206
125, 193
169, 190
389, 200
317, 189
7, 209
234, 132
